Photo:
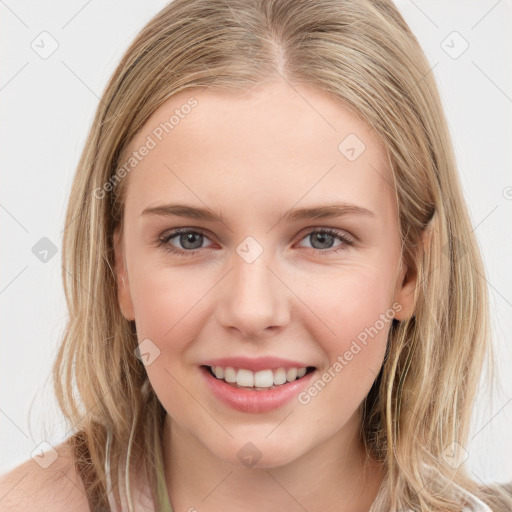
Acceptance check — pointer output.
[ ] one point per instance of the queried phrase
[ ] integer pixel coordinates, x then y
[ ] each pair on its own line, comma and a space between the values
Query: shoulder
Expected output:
31, 487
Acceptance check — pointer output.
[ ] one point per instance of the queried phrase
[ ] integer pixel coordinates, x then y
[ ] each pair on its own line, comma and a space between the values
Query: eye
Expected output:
191, 241
322, 239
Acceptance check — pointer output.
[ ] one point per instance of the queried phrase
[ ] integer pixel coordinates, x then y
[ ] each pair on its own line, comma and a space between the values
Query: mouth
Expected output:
256, 385
262, 380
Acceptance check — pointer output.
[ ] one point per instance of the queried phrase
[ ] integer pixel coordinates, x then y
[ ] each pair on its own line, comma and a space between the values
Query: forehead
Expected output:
273, 145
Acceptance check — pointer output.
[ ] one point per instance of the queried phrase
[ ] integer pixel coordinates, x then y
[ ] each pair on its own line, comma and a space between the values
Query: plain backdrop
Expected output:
48, 102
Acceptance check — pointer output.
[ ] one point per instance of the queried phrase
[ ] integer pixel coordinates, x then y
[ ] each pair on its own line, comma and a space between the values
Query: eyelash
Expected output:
163, 241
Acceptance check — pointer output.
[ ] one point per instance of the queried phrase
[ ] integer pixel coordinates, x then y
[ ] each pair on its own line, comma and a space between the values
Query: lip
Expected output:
254, 401
255, 363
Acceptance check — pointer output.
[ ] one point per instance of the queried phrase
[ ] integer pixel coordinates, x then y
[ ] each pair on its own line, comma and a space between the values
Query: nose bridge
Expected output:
254, 298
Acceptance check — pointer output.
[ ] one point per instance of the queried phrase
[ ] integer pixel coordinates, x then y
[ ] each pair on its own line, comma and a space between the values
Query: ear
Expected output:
123, 285
405, 294
408, 278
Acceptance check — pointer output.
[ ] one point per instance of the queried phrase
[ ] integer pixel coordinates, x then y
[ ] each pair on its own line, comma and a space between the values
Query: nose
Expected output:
254, 301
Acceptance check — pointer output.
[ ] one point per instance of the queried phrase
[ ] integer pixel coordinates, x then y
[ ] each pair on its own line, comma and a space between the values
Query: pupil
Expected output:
323, 237
189, 238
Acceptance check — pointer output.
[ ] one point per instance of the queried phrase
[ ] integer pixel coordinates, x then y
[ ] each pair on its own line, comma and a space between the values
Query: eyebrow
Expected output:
327, 211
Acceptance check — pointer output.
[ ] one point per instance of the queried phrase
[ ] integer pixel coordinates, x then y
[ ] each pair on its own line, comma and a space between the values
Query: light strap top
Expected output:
473, 504
143, 502
163, 493
142, 499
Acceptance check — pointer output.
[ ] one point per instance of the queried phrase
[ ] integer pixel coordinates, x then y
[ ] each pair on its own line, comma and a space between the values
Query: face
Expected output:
261, 288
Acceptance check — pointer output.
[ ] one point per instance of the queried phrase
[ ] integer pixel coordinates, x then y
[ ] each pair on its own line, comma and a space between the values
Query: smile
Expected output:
258, 391
260, 380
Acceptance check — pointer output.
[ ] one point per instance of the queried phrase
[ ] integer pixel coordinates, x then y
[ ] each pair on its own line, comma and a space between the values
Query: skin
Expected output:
253, 156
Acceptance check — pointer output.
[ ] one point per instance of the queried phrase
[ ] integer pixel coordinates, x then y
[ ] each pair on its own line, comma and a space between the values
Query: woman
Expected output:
255, 371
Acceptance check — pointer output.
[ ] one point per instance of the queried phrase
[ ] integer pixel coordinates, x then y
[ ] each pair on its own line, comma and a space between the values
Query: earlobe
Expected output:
406, 295
122, 282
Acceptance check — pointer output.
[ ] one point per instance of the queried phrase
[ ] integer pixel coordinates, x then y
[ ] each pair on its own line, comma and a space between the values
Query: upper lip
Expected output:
255, 364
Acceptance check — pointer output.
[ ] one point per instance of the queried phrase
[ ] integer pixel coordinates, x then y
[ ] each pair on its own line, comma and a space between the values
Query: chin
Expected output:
257, 454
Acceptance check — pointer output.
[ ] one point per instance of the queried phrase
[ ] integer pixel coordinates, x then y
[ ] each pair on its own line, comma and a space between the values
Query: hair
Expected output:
363, 54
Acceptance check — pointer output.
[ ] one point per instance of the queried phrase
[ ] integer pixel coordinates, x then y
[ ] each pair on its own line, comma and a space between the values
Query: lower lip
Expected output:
252, 400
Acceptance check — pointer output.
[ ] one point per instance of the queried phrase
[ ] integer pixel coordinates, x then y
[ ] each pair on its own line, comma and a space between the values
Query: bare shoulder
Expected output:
34, 486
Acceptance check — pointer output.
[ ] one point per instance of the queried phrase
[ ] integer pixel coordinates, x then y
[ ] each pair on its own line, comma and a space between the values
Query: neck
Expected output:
333, 476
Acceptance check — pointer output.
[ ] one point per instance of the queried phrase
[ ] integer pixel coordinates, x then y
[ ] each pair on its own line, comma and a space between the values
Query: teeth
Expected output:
218, 371
229, 374
263, 379
291, 374
280, 376
245, 378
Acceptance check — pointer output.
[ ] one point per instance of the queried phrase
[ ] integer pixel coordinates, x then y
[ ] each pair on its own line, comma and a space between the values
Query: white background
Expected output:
48, 105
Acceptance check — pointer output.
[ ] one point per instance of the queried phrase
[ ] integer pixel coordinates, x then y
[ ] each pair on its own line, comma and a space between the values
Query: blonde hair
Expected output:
364, 55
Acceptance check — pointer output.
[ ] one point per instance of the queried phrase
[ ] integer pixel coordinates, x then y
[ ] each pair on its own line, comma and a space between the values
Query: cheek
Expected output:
170, 311
166, 308
355, 317
350, 304
164, 302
